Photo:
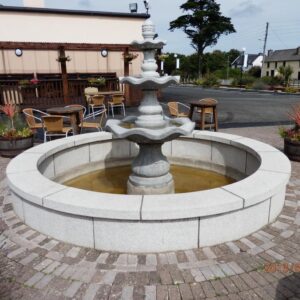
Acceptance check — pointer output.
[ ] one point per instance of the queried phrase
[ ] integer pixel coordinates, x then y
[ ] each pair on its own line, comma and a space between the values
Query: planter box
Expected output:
13, 147
292, 149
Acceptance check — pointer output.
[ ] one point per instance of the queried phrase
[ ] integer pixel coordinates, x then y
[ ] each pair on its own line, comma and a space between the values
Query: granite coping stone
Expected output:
257, 187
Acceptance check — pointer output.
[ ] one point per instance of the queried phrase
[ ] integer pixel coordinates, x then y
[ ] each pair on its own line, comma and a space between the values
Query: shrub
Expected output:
291, 90
260, 85
255, 72
210, 80
272, 81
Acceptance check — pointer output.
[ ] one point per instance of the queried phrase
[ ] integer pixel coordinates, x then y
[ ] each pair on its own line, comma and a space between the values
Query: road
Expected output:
239, 108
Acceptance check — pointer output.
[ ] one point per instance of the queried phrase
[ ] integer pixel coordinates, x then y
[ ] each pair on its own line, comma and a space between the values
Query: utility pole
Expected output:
265, 45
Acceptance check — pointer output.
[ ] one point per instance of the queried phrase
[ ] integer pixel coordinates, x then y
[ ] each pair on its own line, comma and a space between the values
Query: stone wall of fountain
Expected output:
150, 169
148, 223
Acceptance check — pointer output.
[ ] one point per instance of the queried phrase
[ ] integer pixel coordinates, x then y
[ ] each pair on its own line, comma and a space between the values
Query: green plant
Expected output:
272, 81
286, 73
210, 81
11, 126
100, 81
24, 83
290, 89
260, 85
129, 56
294, 132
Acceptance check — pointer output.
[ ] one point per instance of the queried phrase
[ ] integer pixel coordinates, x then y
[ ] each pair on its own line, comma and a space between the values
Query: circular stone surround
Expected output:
149, 223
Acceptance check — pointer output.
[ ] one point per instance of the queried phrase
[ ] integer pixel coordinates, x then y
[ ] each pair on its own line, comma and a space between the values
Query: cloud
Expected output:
85, 3
246, 8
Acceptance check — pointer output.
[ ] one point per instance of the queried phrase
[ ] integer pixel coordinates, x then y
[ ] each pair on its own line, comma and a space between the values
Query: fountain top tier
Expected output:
151, 125
149, 77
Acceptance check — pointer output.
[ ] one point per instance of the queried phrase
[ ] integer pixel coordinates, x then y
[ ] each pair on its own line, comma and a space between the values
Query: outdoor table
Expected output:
203, 106
72, 112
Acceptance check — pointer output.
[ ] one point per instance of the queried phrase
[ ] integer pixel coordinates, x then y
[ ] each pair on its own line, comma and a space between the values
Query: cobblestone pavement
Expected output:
34, 266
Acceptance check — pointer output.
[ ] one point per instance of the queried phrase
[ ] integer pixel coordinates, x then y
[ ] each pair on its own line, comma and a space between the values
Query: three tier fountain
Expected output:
151, 129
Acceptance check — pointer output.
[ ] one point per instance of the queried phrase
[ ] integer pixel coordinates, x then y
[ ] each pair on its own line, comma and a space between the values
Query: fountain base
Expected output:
150, 172
164, 187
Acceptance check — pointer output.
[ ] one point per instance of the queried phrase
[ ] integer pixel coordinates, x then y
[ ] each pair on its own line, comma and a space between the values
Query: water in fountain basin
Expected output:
114, 180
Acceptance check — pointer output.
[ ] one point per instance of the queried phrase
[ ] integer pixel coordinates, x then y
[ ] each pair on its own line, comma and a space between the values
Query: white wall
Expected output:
35, 27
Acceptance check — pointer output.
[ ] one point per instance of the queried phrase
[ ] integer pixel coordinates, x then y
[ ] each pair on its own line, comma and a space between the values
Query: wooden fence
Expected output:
48, 93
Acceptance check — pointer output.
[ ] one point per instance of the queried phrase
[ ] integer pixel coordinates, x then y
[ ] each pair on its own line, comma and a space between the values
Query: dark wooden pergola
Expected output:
62, 48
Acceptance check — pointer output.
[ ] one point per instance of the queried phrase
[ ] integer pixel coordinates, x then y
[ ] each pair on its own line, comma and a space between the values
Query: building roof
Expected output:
240, 59
72, 12
284, 55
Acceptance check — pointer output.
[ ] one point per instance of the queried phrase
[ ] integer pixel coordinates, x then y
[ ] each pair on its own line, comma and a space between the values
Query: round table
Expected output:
72, 112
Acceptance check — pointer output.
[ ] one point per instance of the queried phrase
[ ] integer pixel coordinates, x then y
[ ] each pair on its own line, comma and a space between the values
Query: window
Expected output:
298, 75
272, 73
268, 65
276, 65
283, 63
267, 73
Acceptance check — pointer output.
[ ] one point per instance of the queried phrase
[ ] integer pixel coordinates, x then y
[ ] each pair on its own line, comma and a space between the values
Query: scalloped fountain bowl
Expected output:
148, 223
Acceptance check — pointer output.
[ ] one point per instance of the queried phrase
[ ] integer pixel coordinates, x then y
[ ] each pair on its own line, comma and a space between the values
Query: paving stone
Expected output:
28, 259
165, 277
16, 252
150, 292
51, 267
229, 285
197, 291
43, 282
219, 287
91, 291
174, 292
151, 259
34, 279
72, 289
208, 289
109, 277
45, 263
162, 292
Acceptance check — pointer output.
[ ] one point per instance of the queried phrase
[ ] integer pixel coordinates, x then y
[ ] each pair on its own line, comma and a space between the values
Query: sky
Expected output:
249, 18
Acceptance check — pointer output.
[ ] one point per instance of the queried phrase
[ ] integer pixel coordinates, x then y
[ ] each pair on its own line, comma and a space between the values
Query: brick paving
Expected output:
34, 266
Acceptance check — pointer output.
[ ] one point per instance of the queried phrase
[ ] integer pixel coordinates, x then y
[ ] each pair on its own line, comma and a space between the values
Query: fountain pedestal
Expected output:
150, 172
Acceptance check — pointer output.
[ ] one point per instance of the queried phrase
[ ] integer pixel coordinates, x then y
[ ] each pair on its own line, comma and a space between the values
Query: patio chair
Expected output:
33, 118
53, 126
116, 101
97, 101
175, 109
88, 93
93, 125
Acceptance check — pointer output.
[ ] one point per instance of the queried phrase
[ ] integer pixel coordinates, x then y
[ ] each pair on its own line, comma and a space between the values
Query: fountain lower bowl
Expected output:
150, 223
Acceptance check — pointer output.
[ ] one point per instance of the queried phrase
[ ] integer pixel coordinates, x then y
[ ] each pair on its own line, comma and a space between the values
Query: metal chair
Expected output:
175, 109
33, 121
53, 126
116, 101
93, 125
89, 92
97, 101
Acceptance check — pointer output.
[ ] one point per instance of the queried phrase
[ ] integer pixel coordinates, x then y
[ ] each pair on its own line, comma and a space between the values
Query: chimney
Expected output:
33, 3
270, 52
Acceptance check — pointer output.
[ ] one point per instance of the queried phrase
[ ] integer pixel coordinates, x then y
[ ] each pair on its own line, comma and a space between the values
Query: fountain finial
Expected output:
148, 30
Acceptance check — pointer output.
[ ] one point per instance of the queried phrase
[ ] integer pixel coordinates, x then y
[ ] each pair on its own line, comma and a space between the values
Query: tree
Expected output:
286, 72
203, 24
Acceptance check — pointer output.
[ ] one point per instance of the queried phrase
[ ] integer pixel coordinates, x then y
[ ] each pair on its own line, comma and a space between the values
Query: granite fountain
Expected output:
150, 217
151, 129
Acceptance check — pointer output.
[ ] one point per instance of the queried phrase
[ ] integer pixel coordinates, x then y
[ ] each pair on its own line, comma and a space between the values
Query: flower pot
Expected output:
292, 149
11, 147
